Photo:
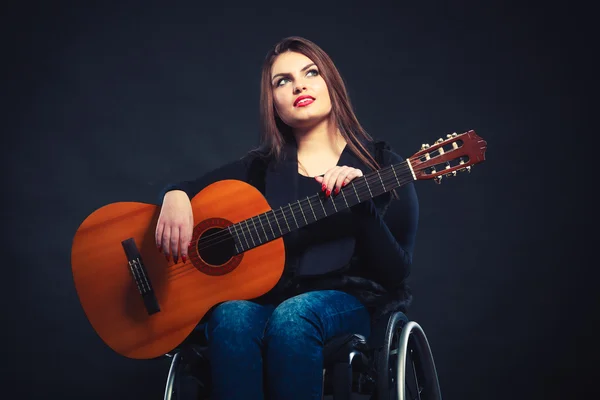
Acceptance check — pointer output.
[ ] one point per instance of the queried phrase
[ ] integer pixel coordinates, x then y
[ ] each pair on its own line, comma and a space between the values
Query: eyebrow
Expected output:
286, 74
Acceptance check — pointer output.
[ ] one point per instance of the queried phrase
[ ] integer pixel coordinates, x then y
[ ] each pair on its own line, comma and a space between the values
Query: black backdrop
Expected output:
110, 102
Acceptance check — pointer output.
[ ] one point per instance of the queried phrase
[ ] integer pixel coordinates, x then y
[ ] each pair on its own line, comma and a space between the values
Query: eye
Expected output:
280, 81
311, 72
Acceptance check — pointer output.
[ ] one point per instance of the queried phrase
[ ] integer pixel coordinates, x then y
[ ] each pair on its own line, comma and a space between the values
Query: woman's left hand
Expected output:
337, 177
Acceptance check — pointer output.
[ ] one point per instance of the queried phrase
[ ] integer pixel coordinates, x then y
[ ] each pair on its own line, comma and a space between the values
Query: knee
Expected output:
295, 320
234, 318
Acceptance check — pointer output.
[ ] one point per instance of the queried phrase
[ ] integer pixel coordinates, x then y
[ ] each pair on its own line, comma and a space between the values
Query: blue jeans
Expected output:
248, 342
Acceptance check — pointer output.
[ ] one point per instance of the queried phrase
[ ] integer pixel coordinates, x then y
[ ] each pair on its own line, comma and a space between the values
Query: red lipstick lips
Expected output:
304, 103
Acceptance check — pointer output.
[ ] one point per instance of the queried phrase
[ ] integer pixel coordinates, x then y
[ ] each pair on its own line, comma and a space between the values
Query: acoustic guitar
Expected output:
143, 306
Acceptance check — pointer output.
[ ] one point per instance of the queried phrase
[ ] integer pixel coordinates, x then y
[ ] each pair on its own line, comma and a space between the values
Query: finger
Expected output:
184, 242
166, 237
158, 235
342, 178
355, 173
175, 243
331, 179
325, 179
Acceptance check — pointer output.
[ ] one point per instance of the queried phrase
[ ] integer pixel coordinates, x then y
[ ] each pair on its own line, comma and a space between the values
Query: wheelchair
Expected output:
395, 363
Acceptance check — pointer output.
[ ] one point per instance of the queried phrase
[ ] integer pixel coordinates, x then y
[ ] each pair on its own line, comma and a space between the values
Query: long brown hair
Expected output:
275, 133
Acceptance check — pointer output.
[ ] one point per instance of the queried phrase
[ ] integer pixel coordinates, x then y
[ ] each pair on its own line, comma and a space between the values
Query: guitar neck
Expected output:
276, 223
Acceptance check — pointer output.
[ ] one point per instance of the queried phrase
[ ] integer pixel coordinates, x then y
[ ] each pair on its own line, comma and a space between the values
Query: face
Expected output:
294, 77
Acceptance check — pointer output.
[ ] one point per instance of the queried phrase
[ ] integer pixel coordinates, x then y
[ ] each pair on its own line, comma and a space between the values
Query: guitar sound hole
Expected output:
216, 246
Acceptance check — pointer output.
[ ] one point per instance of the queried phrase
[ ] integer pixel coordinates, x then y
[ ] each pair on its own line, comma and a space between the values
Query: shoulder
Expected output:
383, 152
238, 168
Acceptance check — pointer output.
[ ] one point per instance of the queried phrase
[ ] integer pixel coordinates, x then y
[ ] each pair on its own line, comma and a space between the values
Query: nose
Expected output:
299, 87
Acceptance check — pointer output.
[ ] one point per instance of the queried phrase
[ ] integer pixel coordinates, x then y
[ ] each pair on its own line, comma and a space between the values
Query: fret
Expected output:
333, 202
344, 196
263, 228
311, 208
270, 224
256, 231
240, 237
284, 218
302, 211
234, 241
322, 206
382, 185
357, 197
368, 187
244, 235
294, 215
280, 231
250, 233
391, 179
396, 176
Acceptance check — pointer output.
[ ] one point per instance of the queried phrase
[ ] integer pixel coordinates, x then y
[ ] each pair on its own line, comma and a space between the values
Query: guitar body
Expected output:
143, 306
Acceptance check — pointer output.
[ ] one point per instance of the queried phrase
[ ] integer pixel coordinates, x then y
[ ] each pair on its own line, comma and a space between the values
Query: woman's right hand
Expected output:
175, 225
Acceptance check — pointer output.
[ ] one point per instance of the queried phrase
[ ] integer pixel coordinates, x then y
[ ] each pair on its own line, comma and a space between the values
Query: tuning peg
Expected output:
424, 146
450, 136
437, 179
440, 140
453, 173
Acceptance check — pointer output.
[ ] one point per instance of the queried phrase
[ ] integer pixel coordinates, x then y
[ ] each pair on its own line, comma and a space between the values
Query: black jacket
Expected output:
365, 251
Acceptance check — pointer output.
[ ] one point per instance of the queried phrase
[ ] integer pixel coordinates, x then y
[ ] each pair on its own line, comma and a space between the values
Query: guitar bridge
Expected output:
140, 276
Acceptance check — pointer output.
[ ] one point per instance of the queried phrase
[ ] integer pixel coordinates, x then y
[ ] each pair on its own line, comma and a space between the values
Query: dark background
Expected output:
110, 102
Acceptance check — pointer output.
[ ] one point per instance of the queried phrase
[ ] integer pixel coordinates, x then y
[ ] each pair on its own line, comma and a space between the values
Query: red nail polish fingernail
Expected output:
184, 258
328, 192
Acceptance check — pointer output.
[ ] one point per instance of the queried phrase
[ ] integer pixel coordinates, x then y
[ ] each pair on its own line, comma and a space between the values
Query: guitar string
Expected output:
288, 212
208, 241
224, 234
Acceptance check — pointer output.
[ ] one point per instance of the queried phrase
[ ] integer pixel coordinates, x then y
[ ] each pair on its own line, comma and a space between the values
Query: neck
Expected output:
324, 137
278, 222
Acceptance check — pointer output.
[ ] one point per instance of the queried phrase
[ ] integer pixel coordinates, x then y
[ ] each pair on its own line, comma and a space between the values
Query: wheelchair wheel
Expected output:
406, 369
170, 388
189, 375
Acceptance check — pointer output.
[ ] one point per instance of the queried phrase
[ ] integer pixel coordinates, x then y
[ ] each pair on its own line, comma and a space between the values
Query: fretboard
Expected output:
275, 223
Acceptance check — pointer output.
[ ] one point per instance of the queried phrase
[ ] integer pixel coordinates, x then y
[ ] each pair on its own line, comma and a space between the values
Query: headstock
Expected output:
447, 157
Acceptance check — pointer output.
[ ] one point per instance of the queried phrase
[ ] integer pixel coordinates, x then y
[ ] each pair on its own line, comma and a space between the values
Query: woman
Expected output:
341, 272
